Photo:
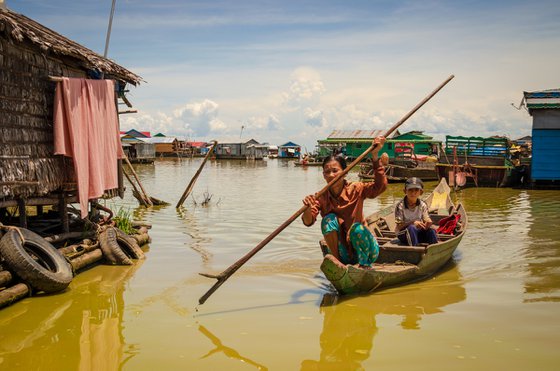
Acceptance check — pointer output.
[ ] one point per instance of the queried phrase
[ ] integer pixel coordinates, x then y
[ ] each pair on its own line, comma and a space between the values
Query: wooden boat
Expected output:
399, 173
308, 163
469, 161
398, 264
479, 171
406, 164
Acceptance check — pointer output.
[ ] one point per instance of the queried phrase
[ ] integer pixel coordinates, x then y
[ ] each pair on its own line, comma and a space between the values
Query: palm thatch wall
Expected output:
29, 54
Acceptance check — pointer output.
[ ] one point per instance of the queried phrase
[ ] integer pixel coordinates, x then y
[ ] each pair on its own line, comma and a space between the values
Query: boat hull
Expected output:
397, 264
399, 174
311, 163
486, 171
350, 279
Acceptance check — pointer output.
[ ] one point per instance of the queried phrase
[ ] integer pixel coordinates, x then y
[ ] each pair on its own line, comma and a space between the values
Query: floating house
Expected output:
250, 150
193, 149
136, 149
257, 151
351, 143
165, 146
289, 150
416, 142
33, 60
133, 133
544, 107
272, 151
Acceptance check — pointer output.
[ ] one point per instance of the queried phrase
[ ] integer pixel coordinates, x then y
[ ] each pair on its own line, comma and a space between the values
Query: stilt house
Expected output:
30, 56
544, 107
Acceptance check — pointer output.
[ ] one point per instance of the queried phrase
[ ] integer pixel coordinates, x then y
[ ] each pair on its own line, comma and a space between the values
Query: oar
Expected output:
222, 277
195, 177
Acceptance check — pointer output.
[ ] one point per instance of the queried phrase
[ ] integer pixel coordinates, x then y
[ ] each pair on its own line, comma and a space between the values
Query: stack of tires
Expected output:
32, 264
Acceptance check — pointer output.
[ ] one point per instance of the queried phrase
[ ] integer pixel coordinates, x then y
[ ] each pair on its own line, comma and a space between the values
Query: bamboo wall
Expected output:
27, 164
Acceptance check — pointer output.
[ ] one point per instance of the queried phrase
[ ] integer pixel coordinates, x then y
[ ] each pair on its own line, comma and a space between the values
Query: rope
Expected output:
13, 228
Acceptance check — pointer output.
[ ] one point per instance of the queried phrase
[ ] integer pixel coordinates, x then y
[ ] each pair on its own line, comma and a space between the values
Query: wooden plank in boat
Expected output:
394, 268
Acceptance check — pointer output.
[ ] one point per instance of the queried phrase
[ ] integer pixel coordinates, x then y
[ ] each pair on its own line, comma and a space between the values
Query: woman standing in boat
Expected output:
343, 224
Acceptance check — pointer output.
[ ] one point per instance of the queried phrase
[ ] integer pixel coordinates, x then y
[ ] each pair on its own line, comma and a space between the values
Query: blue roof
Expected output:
552, 93
290, 144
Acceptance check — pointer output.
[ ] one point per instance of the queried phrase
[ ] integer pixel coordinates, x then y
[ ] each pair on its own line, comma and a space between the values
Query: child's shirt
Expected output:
403, 214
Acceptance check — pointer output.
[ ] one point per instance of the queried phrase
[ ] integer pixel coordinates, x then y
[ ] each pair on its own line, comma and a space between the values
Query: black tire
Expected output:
35, 261
111, 249
129, 245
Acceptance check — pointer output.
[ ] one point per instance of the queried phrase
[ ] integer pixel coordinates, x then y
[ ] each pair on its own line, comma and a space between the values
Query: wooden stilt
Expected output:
63, 214
22, 213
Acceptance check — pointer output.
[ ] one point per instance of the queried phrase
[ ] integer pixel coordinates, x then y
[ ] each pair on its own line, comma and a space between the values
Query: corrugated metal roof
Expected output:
357, 134
543, 99
289, 144
550, 93
158, 140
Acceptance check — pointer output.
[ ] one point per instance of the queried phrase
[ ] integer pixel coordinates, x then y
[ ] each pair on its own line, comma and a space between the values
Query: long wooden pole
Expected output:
195, 177
145, 195
141, 198
222, 277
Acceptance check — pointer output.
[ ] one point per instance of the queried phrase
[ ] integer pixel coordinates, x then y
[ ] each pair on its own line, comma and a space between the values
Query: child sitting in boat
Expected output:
341, 207
414, 225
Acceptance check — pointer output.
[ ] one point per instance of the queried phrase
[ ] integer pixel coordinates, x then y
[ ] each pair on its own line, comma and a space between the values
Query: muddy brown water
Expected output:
495, 306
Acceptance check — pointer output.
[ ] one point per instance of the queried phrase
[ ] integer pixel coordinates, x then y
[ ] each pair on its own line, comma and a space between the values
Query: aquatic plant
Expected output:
123, 221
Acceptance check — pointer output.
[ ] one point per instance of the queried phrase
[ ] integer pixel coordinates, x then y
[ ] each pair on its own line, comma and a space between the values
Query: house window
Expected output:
389, 145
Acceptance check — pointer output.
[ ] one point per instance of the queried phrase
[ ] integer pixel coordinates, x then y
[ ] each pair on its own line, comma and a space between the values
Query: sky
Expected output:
279, 71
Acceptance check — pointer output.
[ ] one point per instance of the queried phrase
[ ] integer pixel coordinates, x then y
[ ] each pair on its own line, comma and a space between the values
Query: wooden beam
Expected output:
52, 200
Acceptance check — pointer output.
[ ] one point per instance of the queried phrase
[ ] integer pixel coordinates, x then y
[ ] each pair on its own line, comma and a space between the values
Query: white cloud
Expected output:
315, 118
200, 118
306, 88
157, 123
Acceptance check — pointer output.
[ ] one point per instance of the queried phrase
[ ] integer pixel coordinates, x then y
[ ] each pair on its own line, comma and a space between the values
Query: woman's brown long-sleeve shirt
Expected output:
348, 205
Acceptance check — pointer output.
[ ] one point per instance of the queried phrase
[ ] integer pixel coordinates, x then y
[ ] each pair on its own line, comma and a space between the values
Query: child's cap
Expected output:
413, 182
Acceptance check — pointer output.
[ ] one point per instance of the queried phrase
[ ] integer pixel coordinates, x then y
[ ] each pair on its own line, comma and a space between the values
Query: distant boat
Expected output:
406, 164
475, 161
398, 173
308, 163
399, 264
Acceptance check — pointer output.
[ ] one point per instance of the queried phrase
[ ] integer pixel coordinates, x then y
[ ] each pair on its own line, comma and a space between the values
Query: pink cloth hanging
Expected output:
86, 128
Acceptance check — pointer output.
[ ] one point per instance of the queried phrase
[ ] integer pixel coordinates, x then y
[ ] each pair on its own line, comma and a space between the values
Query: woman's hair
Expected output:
337, 158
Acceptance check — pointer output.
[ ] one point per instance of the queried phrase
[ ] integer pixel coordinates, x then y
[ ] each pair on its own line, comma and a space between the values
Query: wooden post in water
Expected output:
144, 194
222, 277
135, 191
195, 177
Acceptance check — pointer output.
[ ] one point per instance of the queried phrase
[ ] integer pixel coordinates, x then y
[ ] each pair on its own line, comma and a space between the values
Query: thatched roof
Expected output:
19, 28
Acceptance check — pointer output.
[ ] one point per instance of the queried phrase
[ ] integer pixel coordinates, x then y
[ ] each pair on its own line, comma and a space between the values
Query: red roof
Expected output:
196, 144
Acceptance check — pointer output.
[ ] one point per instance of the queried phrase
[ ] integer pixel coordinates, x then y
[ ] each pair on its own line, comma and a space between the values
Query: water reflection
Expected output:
199, 241
543, 251
349, 324
228, 351
86, 322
